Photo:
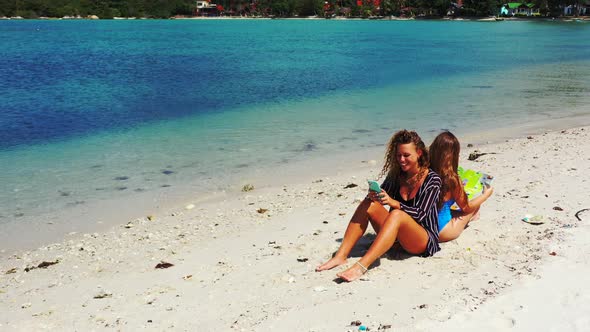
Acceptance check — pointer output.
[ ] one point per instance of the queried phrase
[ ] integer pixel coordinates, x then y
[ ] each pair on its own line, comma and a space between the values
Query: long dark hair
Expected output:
444, 160
391, 166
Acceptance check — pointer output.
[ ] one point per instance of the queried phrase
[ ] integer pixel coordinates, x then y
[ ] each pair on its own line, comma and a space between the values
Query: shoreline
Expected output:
262, 247
92, 218
377, 18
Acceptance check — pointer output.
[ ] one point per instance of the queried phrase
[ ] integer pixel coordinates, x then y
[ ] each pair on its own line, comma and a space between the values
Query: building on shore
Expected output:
520, 9
206, 8
581, 8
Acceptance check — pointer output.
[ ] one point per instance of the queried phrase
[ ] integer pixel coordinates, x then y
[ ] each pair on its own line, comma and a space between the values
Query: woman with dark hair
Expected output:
444, 160
411, 191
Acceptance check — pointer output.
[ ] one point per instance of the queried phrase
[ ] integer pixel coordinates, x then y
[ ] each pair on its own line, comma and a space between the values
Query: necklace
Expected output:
412, 181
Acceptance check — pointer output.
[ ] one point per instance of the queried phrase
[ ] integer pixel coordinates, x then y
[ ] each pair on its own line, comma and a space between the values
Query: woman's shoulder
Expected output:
432, 178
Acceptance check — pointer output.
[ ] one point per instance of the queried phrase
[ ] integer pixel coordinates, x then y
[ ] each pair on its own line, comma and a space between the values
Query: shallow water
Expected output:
138, 113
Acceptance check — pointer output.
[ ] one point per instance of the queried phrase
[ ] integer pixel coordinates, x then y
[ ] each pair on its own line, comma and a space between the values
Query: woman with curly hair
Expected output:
411, 190
444, 160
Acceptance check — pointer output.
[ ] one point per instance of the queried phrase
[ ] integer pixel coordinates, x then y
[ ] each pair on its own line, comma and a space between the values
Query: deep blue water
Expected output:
65, 79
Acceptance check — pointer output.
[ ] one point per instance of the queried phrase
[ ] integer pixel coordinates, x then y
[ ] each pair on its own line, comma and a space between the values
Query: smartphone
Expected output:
374, 186
486, 180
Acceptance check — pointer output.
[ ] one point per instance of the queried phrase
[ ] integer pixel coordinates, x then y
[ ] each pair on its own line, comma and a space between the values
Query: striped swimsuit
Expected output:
422, 208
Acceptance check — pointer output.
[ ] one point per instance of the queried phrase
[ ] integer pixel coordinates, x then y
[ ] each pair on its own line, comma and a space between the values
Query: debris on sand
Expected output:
351, 185
578, 214
476, 154
247, 187
533, 220
42, 265
164, 265
103, 295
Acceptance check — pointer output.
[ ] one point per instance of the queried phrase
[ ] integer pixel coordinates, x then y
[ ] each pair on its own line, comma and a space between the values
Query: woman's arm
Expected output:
468, 206
383, 198
388, 186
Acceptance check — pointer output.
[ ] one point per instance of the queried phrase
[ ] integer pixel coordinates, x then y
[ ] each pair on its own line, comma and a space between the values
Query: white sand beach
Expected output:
246, 262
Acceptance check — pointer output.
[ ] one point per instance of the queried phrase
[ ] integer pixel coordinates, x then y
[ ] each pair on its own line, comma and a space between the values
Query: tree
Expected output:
441, 6
283, 8
311, 7
394, 7
480, 7
7, 8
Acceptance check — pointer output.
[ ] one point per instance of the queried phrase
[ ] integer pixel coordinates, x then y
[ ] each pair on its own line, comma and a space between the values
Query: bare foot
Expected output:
332, 263
352, 273
475, 217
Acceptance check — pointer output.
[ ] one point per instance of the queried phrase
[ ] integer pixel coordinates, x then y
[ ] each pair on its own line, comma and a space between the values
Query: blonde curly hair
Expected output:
391, 167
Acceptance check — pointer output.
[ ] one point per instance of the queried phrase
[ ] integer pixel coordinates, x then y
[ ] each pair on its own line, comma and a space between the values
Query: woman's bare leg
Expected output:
400, 225
365, 212
456, 226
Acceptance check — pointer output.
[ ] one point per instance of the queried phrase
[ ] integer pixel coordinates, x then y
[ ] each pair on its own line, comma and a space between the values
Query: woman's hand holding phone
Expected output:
379, 197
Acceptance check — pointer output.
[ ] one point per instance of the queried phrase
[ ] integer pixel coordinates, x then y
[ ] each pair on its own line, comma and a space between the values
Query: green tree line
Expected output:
276, 8
101, 8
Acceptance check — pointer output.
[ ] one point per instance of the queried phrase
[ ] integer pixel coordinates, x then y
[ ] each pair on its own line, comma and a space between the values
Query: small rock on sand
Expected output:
102, 295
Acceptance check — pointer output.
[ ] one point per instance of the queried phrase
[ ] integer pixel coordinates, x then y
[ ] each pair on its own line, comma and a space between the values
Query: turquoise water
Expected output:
138, 111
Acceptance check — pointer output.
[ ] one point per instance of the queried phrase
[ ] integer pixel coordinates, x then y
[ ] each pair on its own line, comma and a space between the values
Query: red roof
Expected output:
375, 3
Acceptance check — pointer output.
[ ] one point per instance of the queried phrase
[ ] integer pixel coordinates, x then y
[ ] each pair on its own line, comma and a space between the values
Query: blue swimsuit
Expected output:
444, 214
